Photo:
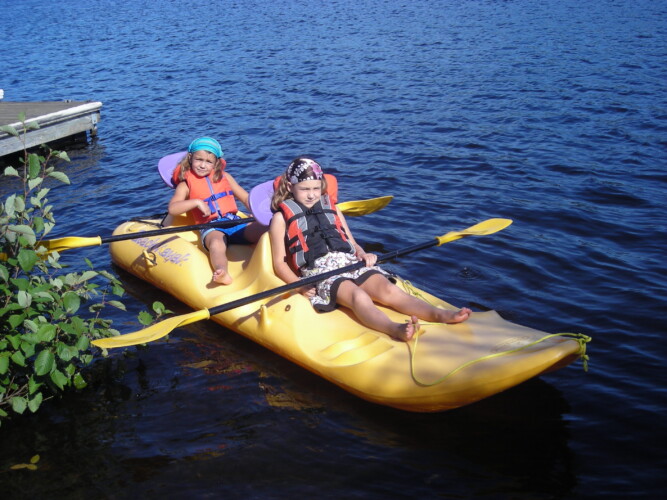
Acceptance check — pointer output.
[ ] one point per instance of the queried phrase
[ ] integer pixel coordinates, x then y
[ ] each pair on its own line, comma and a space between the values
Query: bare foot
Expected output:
222, 277
406, 331
456, 316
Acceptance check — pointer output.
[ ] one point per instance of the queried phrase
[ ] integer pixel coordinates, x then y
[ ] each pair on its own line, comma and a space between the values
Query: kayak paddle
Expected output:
165, 327
352, 208
67, 242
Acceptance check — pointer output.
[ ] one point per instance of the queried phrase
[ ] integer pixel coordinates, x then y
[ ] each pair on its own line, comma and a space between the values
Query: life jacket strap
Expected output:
212, 200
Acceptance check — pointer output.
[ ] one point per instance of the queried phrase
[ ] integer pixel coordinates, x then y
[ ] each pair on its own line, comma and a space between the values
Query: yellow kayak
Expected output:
444, 367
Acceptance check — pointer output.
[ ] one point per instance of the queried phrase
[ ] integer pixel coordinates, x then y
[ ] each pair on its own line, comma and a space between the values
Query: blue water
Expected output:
553, 114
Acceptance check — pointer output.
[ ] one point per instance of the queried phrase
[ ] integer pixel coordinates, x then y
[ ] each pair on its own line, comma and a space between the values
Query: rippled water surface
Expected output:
553, 114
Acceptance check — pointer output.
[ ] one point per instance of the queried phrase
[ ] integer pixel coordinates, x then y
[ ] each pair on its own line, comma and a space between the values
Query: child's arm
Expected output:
369, 258
239, 193
180, 203
279, 254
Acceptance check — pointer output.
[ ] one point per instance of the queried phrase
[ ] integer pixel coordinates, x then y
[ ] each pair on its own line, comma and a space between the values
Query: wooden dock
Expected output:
56, 120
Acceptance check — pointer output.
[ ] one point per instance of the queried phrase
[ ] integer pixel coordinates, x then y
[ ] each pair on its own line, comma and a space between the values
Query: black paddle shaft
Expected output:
177, 229
317, 278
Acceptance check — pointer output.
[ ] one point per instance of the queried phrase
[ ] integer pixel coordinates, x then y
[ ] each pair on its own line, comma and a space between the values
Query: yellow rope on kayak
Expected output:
580, 338
410, 288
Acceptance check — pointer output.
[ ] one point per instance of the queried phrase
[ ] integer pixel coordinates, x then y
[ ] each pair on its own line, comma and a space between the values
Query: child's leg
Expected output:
217, 250
380, 289
253, 231
352, 296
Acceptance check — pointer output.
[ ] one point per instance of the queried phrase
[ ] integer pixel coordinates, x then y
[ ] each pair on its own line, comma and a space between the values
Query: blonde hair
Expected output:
185, 166
283, 191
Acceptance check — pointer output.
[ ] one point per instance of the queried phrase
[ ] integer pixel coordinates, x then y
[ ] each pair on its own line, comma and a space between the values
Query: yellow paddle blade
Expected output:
488, 226
355, 208
60, 244
153, 332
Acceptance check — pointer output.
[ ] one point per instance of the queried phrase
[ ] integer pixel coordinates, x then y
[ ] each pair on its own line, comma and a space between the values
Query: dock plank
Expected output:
56, 120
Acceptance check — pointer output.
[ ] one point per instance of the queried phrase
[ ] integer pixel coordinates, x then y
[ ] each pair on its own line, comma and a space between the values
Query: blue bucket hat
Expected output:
206, 144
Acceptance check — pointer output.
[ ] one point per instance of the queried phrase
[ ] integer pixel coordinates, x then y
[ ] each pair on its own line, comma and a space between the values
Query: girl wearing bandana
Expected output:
309, 236
205, 188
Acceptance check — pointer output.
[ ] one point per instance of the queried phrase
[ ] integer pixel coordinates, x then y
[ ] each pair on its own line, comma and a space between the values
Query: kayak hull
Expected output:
446, 367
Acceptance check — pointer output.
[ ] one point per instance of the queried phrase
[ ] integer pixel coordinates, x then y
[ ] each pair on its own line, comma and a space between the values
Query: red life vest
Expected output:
218, 195
332, 187
314, 232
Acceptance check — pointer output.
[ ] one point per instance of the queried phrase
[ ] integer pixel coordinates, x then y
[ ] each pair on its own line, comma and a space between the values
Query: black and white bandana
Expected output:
304, 169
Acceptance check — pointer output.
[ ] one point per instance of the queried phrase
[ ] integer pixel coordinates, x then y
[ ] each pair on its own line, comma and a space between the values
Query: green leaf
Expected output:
60, 176
83, 343
30, 325
33, 183
38, 222
10, 204
15, 340
42, 193
43, 296
27, 259
158, 307
4, 364
79, 381
19, 204
34, 165
35, 402
117, 304
87, 275
9, 130
62, 155
28, 348
46, 332
72, 302
33, 385
44, 363
18, 358
65, 352
19, 404
23, 230
59, 378
11, 171
145, 318
21, 283
24, 299
4, 274
79, 324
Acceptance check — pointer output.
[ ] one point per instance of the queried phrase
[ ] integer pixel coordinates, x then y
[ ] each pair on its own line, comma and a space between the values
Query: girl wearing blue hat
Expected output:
206, 189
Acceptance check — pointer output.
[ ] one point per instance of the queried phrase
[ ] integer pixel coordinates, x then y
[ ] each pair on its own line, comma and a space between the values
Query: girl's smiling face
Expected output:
307, 192
202, 162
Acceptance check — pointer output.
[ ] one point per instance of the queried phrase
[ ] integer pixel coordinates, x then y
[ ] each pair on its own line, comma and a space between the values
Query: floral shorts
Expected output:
325, 298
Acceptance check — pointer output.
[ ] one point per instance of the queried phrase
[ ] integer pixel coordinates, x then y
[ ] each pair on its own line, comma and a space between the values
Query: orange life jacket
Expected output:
332, 187
314, 232
218, 195
177, 171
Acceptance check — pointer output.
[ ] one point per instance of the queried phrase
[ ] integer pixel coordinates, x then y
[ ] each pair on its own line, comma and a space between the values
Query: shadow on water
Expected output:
210, 411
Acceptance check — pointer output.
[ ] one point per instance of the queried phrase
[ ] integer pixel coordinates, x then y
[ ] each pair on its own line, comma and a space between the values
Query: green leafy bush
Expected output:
48, 315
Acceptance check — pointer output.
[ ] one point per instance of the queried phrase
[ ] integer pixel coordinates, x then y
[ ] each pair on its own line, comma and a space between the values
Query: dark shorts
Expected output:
234, 235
